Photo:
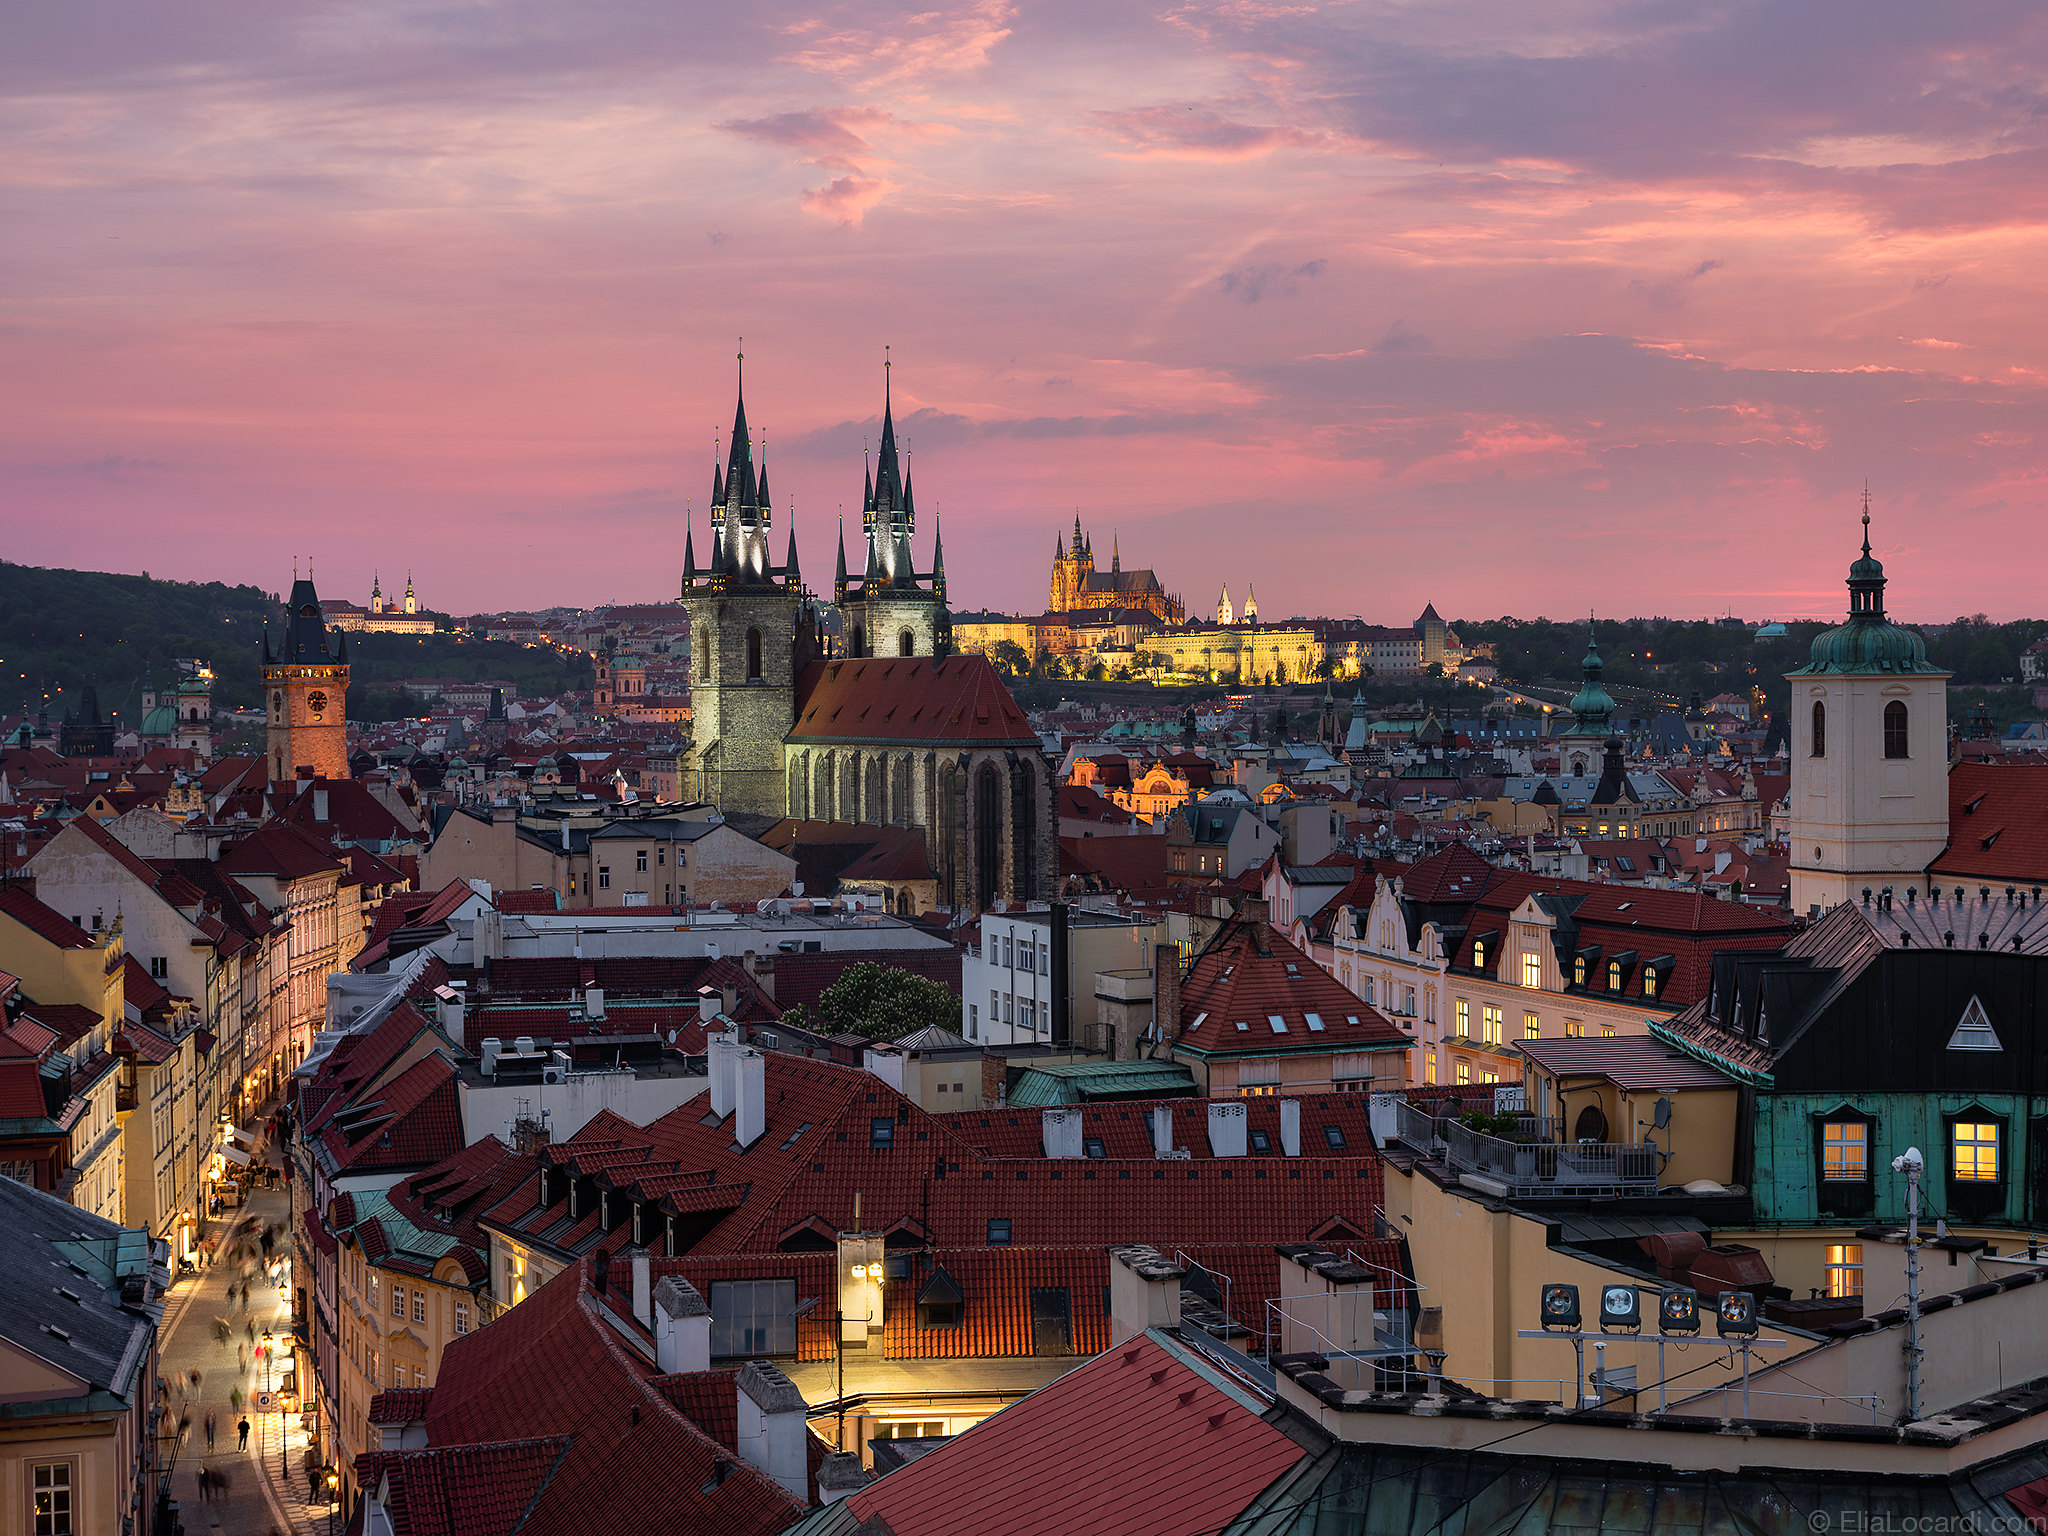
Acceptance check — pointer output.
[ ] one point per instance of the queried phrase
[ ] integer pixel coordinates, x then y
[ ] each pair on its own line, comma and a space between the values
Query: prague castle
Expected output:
1077, 585
895, 729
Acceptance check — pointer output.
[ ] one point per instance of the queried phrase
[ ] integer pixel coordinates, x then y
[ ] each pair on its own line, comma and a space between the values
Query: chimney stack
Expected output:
682, 1327
721, 1047
1227, 1128
1290, 1127
1165, 992
840, 1475
772, 1426
1162, 1130
492, 1046
1060, 1132
643, 1284
707, 1004
319, 805
750, 1095
1144, 1292
593, 1002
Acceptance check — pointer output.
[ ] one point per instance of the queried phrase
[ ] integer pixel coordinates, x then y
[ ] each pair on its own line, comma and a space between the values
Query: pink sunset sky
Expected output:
1513, 308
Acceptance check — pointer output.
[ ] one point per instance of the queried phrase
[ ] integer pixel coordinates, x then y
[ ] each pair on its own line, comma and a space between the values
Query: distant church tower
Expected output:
305, 685
376, 593
893, 611
1225, 614
752, 630
1251, 605
1869, 797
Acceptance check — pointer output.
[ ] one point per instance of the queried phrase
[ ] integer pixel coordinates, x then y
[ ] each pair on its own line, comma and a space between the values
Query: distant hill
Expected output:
60, 630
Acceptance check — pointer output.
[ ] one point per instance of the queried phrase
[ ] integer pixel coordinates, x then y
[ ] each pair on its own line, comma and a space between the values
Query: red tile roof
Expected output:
631, 1450
462, 1490
1135, 1440
1248, 976
914, 699
41, 921
1997, 824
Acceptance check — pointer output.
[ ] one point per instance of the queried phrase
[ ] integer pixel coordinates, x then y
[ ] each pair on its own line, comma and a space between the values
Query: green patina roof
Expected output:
160, 721
1869, 642
1592, 705
1074, 1082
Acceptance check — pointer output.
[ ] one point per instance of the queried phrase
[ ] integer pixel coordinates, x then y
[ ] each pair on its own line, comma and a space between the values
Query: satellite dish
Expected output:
1663, 1112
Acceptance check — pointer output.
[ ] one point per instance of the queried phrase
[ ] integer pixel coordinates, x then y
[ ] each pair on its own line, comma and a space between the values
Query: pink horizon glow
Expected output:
1509, 309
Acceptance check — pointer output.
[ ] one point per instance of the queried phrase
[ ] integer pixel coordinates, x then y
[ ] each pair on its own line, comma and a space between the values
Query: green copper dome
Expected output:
1592, 705
1869, 642
160, 721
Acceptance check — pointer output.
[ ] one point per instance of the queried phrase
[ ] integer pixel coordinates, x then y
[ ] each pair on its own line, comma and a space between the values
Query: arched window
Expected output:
1478, 954
1820, 729
704, 650
906, 643
1614, 975
753, 655
1895, 729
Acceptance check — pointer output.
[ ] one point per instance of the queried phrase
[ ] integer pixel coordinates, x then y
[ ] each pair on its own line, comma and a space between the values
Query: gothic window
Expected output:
704, 651
1895, 729
1820, 729
906, 643
753, 655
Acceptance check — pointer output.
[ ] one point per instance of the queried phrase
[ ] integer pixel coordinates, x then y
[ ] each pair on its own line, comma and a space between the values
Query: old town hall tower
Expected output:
305, 686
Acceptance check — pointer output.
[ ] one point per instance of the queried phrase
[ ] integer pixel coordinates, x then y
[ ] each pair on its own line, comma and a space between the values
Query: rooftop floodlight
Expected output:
1621, 1309
1735, 1314
1561, 1307
1678, 1311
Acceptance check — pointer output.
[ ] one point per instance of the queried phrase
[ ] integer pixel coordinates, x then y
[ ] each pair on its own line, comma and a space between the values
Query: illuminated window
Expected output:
1845, 1150
1490, 1024
1895, 729
1478, 954
1575, 1029
1976, 1151
1489, 1077
1579, 971
1844, 1269
52, 1490
1532, 1027
1464, 1017
1429, 1068
1614, 975
1464, 1073
1532, 969
1606, 1031
1649, 983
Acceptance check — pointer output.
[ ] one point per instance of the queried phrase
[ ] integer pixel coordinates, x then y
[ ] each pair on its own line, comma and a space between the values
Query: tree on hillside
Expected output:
882, 1002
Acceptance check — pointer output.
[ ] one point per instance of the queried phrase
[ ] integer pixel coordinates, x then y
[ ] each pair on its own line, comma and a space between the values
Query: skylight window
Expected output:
793, 1135
1242, 1025
1198, 1019
1315, 1022
1279, 1024
1350, 1018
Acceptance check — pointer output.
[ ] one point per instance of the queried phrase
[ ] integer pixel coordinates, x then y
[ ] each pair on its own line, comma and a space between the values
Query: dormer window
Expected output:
1614, 975
1479, 954
1579, 971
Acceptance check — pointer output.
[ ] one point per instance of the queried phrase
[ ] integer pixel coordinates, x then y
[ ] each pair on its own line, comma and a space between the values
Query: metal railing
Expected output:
1532, 1167
1418, 1128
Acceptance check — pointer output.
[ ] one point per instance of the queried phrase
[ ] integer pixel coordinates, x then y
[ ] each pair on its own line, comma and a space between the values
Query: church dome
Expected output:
1592, 706
160, 721
1869, 642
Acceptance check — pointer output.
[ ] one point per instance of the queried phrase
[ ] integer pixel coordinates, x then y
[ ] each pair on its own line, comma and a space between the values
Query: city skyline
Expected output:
1361, 305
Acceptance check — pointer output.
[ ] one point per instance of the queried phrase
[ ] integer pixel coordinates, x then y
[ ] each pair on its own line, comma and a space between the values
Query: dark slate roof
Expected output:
1633, 1063
78, 1291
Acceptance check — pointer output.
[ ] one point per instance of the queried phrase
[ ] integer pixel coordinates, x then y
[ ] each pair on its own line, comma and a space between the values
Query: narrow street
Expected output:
266, 1486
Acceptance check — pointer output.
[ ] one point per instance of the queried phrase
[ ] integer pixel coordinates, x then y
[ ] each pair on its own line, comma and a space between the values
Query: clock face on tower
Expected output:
316, 701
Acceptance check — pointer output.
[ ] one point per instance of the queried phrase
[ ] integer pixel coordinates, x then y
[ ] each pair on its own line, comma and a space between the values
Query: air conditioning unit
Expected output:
552, 1075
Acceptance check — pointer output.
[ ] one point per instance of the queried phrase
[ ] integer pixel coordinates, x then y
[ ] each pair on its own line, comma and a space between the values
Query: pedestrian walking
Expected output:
312, 1464
235, 1399
243, 1427
194, 1374
205, 1480
210, 1425
241, 1359
221, 1482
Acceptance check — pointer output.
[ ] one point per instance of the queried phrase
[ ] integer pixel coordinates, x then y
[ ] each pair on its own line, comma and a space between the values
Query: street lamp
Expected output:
331, 1480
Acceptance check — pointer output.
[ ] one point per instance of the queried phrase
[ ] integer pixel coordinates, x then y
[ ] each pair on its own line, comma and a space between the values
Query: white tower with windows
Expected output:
1869, 798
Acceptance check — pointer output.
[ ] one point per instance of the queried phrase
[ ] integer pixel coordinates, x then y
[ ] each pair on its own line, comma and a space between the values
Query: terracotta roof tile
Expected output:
960, 700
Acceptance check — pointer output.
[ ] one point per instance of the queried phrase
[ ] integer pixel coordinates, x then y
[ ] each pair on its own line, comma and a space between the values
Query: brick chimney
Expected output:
1165, 992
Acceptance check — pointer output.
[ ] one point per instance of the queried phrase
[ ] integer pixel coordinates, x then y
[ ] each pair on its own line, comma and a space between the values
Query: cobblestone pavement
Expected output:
266, 1489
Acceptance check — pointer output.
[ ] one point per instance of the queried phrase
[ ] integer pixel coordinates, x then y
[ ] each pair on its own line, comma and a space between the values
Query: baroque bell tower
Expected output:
305, 687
